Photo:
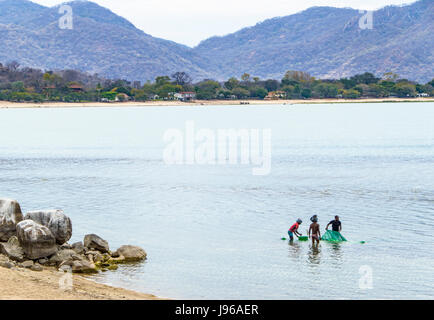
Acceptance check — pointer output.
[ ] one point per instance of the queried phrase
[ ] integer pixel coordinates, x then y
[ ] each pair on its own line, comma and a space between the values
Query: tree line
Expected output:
23, 84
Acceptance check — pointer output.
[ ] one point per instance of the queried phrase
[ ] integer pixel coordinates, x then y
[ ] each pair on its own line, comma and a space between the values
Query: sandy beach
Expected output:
24, 284
17, 105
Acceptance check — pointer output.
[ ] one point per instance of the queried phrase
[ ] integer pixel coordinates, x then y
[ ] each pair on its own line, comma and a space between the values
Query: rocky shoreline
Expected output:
39, 240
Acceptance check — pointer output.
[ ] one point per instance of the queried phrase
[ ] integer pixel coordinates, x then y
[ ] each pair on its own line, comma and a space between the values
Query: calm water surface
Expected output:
214, 231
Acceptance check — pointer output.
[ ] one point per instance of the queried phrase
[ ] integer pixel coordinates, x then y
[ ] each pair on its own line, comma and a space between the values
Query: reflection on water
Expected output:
214, 231
314, 256
295, 249
336, 252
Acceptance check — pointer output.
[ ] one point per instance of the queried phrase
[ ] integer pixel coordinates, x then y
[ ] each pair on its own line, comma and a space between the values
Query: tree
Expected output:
109, 95
232, 83
327, 90
167, 89
245, 77
390, 76
306, 93
181, 78
258, 92
271, 85
288, 91
406, 90
297, 76
240, 93
348, 83
12, 66
365, 78
207, 90
351, 94
17, 86
161, 81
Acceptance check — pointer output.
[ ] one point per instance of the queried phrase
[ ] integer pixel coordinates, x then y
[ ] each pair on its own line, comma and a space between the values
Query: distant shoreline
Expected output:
23, 105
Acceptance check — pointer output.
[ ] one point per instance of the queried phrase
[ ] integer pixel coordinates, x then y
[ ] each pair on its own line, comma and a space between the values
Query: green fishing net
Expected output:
333, 236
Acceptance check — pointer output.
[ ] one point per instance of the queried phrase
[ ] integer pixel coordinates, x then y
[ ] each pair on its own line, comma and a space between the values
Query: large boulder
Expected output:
37, 240
13, 249
10, 215
59, 223
130, 253
92, 241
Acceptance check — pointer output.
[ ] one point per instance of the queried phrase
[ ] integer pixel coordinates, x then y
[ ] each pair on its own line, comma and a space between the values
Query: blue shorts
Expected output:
291, 235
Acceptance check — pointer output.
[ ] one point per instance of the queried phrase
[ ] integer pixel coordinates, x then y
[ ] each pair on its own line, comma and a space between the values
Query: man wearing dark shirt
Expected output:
336, 225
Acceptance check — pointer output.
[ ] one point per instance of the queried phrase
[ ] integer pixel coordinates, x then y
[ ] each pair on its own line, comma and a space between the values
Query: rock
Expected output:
43, 261
83, 267
95, 256
36, 240
120, 259
6, 264
65, 246
115, 254
10, 215
26, 264
92, 241
13, 249
78, 257
65, 268
59, 224
61, 256
36, 267
78, 247
131, 253
106, 256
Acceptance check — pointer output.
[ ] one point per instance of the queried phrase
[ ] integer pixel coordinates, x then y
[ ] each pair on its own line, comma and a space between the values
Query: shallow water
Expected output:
215, 231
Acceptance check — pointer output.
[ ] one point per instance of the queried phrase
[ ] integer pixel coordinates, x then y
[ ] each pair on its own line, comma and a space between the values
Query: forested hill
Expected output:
100, 42
326, 42
329, 43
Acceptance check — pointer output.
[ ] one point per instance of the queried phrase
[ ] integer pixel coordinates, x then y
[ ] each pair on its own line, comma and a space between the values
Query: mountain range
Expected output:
324, 41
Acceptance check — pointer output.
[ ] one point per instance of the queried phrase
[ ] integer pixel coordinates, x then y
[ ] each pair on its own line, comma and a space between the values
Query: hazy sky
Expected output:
190, 21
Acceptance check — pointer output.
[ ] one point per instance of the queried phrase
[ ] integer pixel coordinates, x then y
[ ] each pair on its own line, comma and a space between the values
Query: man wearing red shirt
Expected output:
294, 230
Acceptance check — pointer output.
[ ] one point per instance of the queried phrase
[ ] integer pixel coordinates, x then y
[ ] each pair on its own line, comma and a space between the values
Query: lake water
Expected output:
214, 231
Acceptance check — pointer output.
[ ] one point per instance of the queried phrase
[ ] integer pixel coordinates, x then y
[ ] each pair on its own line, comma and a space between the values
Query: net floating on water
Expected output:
303, 238
333, 236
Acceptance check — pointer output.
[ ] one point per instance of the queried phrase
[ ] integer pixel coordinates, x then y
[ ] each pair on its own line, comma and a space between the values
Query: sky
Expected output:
191, 21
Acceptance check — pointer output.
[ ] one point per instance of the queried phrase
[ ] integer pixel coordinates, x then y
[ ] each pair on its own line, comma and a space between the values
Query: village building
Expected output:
153, 97
185, 96
121, 97
276, 95
76, 87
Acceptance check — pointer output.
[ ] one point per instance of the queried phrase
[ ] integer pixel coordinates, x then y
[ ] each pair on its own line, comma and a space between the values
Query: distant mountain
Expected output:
17, 11
100, 42
324, 41
328, 43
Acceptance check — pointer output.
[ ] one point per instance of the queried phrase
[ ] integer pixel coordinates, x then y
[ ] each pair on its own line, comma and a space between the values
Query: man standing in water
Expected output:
294, 230
336, 225
314, 230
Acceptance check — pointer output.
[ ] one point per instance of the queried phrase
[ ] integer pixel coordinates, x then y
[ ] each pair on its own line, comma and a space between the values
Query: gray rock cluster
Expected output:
40, 238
